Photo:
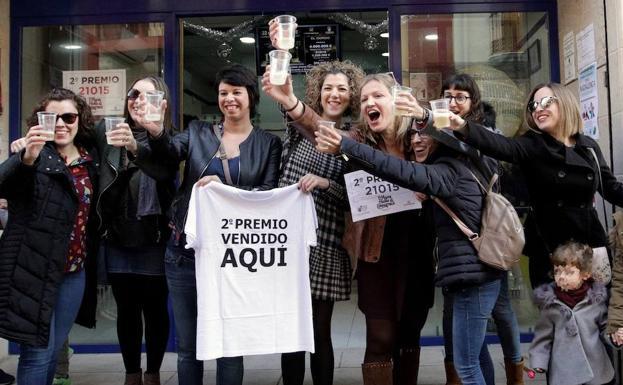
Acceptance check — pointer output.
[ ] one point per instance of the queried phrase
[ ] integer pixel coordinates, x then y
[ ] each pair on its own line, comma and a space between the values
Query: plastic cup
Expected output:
153, 110
441, 113
398, 92
286, 31
111, 124
323, 125
48, 121
279, 66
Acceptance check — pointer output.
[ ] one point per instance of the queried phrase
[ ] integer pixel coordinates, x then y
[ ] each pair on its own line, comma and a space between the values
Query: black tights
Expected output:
139, 296
321, 362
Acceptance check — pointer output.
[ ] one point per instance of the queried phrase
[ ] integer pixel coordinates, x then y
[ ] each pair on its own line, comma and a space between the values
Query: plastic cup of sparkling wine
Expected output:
323, 126
399, 92
153, 107
279, 66
111, 124
441, 113
47, 120
286, 30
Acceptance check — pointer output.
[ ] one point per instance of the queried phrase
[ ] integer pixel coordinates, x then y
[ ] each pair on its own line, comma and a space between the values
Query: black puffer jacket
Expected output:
34, 246
260, 154
447, 178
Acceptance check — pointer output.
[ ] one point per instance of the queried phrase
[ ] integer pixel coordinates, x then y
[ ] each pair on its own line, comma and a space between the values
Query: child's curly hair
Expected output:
315, 78
574, 254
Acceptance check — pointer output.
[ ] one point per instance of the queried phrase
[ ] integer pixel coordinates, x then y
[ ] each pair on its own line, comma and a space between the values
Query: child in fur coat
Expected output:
568, 342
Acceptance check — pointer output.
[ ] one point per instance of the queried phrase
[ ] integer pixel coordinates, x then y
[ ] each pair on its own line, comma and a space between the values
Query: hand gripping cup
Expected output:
153, 108
322, 127
286, 30
279, 65
441, 113
397, 93
111, 124
47, 120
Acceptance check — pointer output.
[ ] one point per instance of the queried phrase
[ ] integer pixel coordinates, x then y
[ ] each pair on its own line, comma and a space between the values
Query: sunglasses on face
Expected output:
133, 94
544, 103
68, 117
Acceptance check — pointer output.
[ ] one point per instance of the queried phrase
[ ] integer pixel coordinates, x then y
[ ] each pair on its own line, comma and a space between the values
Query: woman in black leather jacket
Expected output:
253, 157
444, 174
133, 206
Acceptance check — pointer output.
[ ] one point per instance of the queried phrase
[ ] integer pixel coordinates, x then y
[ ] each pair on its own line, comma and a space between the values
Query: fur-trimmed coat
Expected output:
567, 342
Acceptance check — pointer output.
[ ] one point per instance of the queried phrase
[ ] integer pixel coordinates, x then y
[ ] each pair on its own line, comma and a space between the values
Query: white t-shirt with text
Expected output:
252, 269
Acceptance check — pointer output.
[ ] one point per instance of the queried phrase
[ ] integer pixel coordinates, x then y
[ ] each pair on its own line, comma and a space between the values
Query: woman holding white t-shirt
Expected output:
252, 157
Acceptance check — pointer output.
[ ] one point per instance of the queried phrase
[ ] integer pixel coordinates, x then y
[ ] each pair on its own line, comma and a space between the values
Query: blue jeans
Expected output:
36, 364
180, 272
486, 363
471, 311
506, 324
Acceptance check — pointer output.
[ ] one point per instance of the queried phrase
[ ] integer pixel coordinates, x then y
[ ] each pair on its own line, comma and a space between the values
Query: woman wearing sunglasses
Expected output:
561, 174
133, 203
49, 246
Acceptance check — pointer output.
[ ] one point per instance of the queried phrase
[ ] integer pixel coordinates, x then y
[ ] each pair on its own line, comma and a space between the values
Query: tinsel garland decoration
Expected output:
225, 48
371, 31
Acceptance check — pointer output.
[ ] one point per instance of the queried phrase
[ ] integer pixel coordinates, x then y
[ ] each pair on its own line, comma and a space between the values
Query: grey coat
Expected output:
568, 342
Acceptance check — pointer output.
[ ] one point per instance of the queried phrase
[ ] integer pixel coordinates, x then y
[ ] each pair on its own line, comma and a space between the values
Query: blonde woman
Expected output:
560, 171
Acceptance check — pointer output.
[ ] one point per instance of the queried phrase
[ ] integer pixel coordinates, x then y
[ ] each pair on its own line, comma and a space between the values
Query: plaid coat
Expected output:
330, 269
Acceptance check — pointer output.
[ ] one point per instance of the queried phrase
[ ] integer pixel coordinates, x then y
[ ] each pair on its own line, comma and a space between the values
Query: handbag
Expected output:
601, 271
501, 238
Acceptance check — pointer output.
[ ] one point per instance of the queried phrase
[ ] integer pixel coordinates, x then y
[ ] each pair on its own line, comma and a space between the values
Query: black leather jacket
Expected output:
116, 207
259, 161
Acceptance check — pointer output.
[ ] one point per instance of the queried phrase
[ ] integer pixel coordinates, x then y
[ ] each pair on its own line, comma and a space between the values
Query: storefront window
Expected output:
99, 62
210, 43
96, 61
507, 54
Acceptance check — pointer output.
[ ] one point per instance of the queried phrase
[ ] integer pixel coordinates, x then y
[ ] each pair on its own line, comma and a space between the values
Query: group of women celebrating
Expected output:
74, 195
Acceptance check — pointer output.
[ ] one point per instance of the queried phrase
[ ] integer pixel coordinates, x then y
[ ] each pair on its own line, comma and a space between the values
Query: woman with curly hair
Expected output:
395, 292
48, 249
332, 92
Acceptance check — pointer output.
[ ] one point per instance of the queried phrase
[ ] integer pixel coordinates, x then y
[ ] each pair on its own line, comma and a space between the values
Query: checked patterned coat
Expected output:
329, 265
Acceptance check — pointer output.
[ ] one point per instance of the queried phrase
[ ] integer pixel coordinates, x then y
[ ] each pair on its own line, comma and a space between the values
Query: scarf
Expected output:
572, 297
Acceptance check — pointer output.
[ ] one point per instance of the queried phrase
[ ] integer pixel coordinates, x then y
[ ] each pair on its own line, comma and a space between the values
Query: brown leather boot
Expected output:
514, 372
377, 373
134, 378
452, 378
409, 366
151, 378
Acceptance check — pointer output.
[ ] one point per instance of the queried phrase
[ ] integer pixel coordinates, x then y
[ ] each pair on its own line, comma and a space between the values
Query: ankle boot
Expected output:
514, 372
452, 378
409, 366
377, 373
151, 378
134, 378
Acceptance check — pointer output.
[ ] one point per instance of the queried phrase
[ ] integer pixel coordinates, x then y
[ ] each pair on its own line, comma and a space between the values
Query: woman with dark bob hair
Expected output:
49, 247
252, 156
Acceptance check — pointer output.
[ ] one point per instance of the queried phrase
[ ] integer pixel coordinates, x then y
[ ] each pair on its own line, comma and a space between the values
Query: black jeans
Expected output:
137, 297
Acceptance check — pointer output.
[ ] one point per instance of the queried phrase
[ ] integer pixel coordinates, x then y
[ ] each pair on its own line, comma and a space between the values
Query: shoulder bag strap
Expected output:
222, 155
601, 186
472, 236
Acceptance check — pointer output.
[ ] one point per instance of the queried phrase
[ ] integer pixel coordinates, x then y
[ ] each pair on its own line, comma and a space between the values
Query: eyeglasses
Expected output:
133, 94
420, 131
544, 103
459, 99
68, 117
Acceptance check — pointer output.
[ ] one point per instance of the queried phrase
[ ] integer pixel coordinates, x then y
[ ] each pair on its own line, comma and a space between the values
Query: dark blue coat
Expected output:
448, 178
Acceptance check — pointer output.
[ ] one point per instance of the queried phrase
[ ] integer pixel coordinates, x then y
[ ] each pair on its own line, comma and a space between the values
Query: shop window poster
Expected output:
426, 85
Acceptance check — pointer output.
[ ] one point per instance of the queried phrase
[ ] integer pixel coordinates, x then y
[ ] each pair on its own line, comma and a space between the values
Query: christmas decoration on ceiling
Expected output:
371, 31
226, 37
